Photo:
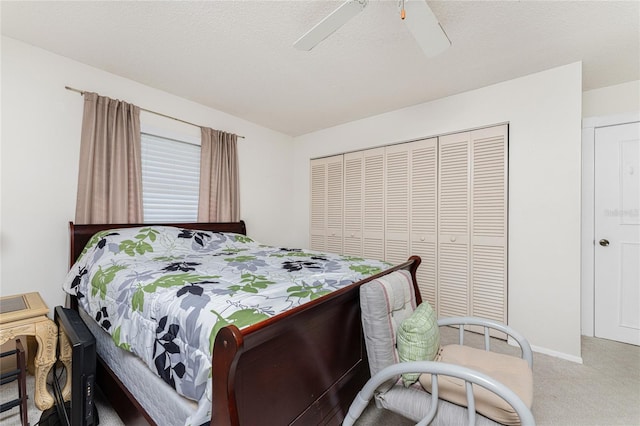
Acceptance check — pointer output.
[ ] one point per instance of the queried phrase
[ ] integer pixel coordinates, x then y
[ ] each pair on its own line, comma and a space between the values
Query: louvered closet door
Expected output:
489, 223
373, 207
326, 204
423, 213
453, 217
396, 244
335, 191
318, 209
353, 194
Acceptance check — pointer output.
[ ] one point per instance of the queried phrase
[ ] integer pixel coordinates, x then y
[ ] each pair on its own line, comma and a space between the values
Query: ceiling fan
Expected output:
416, 14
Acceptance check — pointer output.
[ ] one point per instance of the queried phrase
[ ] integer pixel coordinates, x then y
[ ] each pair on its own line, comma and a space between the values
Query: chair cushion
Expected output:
385, 303
511, 371
418, 339
414, 404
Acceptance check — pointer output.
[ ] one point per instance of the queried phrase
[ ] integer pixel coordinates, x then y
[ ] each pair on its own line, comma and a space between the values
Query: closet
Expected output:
443, 199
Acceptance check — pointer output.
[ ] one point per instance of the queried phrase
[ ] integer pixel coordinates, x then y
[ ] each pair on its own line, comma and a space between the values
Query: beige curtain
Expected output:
110, 176
219, 188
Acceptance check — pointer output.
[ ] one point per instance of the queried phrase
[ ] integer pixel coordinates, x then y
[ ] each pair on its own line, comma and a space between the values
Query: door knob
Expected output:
604, 242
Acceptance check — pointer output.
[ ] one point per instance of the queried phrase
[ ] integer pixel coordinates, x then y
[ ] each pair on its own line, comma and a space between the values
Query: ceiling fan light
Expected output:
425, 28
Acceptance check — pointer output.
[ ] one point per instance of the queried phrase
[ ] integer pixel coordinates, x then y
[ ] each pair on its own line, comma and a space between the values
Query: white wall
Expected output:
39, 162
601, 107
612, 100
40, 147
544, 113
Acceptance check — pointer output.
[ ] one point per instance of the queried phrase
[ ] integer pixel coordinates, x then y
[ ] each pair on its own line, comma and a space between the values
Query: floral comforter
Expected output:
164, 292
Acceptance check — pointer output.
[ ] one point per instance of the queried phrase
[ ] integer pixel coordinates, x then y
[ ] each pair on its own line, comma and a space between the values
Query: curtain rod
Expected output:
147, 110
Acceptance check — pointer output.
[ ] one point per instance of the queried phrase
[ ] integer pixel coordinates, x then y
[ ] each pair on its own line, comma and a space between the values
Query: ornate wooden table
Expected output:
26, 315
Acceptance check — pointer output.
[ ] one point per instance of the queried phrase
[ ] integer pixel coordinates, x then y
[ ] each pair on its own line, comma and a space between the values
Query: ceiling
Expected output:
237, 56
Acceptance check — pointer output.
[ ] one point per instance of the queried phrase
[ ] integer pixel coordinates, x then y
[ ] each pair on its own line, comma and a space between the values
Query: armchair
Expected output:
459, 382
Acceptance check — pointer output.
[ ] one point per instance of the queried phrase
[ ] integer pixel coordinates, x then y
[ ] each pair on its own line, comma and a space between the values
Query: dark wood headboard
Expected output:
81, 234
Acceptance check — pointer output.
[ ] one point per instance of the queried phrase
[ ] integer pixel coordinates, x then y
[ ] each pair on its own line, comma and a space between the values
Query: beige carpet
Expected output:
604, 391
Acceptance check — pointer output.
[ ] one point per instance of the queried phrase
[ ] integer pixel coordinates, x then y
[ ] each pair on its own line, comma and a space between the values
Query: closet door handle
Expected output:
603, 242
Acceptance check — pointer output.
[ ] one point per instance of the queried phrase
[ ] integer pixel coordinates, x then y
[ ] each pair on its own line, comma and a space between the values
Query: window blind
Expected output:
170, 179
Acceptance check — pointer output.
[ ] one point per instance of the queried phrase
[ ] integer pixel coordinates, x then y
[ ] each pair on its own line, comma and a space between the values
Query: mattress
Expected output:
160, 401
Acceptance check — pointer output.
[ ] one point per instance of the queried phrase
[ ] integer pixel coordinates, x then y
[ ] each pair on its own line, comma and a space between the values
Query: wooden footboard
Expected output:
301, 367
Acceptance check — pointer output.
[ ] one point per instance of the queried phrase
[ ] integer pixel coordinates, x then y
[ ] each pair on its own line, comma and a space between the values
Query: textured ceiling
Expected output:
237, 56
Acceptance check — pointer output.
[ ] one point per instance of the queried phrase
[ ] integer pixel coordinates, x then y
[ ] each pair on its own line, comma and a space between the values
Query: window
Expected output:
170, 179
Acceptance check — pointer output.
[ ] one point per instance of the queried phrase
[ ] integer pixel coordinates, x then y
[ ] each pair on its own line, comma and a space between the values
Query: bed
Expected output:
301, 366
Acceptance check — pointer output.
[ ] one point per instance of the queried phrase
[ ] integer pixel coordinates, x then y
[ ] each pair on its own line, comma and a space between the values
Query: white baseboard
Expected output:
556, 354
550, 352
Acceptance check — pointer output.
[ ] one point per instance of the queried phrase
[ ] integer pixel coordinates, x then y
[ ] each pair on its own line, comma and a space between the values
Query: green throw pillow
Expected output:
418, 339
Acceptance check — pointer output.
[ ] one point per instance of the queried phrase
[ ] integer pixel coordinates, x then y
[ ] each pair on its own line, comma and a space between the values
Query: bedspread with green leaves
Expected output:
164, 292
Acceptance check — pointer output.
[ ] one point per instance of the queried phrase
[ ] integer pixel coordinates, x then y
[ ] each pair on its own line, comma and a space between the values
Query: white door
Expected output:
335, 189
453, 225
396, 216
373, 204
326, 204
423, 214
353, 165
617, 233
318, 209
488, 237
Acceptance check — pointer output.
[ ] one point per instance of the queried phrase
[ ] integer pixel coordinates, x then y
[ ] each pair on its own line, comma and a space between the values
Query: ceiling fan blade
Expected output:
330, 24
425, 28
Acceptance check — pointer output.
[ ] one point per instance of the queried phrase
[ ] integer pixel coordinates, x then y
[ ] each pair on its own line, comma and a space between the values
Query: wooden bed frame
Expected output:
302, 367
